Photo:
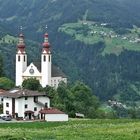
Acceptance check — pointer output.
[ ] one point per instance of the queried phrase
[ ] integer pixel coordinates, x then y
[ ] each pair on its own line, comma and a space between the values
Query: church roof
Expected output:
18, 93
56, 71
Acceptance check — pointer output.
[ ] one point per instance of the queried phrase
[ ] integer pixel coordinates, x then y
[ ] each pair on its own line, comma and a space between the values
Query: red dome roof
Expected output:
46, 44
21, 45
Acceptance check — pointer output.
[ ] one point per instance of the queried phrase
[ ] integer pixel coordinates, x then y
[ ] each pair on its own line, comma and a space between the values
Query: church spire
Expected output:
46, 44
21, 44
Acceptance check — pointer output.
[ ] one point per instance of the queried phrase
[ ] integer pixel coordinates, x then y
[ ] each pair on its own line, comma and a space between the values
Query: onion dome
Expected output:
46, 45
21, 44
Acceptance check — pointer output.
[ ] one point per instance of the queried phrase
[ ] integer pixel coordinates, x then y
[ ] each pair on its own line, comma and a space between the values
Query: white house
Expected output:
44, 71
26, 104
1, 98
53, 115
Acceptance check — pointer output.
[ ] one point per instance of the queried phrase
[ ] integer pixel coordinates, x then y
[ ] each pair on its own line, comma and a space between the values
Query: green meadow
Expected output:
73, 130
92, 33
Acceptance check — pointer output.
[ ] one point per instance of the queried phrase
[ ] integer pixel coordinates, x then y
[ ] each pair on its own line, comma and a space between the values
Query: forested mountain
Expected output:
108, 60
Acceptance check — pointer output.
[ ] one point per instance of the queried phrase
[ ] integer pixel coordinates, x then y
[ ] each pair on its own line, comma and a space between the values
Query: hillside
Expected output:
90, 32
104, 52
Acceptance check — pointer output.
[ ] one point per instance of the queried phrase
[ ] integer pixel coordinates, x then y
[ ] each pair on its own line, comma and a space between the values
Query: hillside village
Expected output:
91, 32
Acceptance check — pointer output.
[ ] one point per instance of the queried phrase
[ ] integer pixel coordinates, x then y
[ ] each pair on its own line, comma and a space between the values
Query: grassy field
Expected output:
72, 130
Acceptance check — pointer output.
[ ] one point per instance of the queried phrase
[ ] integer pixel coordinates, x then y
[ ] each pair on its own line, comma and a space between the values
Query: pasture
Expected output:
73, 130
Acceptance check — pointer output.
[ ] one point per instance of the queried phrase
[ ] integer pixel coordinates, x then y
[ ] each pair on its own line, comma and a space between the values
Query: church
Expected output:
44, 71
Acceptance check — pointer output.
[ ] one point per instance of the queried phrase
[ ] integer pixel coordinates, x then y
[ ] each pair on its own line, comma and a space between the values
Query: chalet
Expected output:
28, 105
24, 103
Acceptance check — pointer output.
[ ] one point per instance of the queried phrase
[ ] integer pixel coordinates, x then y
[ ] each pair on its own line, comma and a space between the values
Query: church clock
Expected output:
31, 71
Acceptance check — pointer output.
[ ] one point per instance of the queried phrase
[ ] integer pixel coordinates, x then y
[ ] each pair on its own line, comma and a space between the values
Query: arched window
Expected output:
44, 58
18, 58
24, 58
49, 58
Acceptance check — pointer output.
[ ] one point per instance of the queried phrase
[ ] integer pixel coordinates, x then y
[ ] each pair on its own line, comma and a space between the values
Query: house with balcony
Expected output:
29, 105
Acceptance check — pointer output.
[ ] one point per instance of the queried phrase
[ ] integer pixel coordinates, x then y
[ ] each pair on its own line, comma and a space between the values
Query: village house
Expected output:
29, 105
1, 98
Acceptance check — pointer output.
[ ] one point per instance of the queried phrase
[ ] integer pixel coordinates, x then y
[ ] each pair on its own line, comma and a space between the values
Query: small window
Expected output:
24, 58
49, 58
7, 112
35, 99
35, 108
18, 58
46, 105
44, 58
2, 99
7, 104
26, 98
26, 106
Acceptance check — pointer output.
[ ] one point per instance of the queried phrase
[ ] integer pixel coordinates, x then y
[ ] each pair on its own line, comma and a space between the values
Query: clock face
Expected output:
31, 71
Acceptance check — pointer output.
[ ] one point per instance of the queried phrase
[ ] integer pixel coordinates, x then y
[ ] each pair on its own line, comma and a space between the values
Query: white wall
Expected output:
20, 67
56, 117
21, 102
56, 80
46, 69
7, 100
1, 100
28, 74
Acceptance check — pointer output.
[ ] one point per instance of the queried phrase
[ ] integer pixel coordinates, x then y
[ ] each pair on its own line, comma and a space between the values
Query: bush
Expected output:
6, 83
31, 84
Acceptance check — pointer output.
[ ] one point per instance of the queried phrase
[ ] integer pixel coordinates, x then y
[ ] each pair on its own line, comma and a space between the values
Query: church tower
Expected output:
46, 62
21, 60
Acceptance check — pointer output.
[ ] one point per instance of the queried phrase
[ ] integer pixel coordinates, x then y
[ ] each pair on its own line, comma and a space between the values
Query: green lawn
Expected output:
72, 130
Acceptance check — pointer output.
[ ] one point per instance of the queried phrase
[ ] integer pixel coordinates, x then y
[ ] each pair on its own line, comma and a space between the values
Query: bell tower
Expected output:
46, 62
21, 60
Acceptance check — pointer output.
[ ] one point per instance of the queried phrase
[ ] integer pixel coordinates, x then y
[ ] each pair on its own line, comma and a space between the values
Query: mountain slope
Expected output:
107, 74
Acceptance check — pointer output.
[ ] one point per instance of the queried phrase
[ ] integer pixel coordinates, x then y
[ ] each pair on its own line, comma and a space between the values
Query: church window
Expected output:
49, 58
44, 58
26, 106
18, 58
35, 108
24, 58
7, 104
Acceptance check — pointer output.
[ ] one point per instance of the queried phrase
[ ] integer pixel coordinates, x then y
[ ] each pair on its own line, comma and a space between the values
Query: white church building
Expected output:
45, 72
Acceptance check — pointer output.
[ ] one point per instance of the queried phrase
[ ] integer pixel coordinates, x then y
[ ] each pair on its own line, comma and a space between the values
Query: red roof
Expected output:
46, 44
2, 91
51, 111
